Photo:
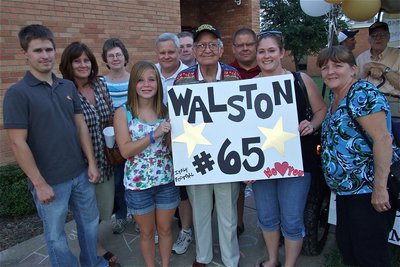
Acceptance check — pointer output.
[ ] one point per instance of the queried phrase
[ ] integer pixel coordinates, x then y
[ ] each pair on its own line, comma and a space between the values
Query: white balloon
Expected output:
315, 8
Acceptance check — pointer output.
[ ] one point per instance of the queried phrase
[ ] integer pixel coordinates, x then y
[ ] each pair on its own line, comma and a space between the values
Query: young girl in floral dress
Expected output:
142, 133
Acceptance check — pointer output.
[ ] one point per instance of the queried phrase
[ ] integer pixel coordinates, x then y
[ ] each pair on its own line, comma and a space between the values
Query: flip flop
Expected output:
262, 264
108, 256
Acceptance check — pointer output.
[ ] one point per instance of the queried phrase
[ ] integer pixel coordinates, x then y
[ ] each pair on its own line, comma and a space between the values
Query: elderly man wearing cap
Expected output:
208, 48
347, 38
381, 66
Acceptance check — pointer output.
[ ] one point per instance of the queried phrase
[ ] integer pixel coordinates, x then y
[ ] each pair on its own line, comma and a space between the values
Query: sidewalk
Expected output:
33, 252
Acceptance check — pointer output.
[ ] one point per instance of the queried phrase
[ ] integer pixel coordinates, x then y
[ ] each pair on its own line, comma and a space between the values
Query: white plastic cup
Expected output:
109, 136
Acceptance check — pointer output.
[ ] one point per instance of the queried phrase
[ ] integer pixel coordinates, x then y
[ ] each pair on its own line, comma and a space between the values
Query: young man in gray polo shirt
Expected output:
44, 122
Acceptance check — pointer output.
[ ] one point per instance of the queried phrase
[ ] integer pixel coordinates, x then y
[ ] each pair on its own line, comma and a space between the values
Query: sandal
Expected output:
110, 257
262, 264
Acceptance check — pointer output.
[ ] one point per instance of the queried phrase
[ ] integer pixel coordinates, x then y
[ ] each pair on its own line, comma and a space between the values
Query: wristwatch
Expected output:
387, 69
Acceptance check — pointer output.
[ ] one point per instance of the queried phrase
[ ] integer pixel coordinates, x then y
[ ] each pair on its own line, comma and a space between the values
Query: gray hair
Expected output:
185, 34
167, 36
220, 43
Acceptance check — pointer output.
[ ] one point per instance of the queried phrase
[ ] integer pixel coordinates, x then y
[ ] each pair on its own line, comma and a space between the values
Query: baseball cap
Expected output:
378, 25
343, 35
205, 28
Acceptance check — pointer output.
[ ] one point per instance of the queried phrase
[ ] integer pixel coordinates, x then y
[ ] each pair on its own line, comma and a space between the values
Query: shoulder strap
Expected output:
101, 84
299, 80
128, 114
358, 126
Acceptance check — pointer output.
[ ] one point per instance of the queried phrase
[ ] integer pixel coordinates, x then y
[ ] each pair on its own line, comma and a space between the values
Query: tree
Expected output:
304, 35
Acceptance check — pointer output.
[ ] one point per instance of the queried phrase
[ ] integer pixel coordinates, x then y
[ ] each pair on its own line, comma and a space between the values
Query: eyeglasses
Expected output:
202, 46
266, 33
379, 35
241, 46
117, 55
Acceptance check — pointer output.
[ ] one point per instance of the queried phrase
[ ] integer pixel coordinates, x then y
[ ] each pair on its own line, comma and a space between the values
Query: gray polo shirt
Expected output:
47, 112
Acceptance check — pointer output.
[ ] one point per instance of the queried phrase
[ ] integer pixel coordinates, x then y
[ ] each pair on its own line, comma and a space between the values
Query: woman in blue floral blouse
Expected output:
142, 133
353, 170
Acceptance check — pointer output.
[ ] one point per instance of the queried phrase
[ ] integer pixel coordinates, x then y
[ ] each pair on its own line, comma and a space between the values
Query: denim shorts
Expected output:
280, 204
162, 197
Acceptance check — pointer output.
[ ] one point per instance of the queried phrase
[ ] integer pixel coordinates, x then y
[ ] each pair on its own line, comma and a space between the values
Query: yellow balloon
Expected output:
361, 10
334, 1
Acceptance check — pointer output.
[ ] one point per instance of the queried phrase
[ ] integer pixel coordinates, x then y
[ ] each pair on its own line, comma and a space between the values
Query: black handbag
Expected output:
393, 182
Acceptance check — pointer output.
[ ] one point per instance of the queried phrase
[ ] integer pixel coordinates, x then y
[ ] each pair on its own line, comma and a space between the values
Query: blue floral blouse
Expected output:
347, 159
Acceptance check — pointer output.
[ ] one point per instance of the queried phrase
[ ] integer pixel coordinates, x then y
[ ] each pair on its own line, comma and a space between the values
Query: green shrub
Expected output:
15, 198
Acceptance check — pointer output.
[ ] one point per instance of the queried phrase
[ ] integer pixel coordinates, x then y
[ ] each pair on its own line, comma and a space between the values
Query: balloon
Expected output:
361, 10
391, 6
315, 8
334, 1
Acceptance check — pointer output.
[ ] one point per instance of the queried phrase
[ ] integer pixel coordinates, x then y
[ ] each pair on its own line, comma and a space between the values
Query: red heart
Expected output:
281, 168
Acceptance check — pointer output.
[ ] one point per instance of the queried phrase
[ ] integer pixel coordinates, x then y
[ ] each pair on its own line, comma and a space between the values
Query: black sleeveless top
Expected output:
309, 142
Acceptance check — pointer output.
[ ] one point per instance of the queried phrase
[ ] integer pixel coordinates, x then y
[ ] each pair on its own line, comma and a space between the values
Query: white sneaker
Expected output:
156, 238
182, 243
118, 226
137, 229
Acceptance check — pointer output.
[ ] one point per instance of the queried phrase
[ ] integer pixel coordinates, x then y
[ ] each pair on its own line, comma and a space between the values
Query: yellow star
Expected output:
192, 136
276, 137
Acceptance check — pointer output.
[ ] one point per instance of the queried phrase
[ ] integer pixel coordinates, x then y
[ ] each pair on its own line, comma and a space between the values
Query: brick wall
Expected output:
136, 22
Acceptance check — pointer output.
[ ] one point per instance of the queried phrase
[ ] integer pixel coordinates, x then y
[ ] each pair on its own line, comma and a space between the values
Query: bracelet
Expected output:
387, 69
151, 137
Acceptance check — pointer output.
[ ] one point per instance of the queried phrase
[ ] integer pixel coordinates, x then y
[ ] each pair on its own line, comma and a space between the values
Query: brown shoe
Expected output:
198, 264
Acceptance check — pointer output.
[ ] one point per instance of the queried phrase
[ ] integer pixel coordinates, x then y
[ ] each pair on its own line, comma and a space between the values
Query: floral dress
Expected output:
152, 166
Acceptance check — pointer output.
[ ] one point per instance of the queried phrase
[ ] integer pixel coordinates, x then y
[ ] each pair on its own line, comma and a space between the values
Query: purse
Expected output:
393, 182
113, 154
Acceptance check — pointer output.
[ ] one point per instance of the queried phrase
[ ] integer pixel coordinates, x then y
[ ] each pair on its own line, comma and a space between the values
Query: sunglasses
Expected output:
266, 33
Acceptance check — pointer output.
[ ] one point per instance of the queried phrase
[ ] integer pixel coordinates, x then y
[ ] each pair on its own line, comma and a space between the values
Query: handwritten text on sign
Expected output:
235, 131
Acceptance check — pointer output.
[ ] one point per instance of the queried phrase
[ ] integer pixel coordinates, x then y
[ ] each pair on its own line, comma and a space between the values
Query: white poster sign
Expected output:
235, 131
394, 235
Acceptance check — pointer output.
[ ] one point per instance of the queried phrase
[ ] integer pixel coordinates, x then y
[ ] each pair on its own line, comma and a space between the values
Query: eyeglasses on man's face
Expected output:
379, 35
116, 55
202, 46
242, 46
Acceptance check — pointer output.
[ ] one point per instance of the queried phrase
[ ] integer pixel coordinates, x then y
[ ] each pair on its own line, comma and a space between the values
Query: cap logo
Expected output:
205, 27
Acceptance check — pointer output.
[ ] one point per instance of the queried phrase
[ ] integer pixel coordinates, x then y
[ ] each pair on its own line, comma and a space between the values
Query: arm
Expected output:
127, 147
87, 148
376, 71
24, 157
375, 126
318, 106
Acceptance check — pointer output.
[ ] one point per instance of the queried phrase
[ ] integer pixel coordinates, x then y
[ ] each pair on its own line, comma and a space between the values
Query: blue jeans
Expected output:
280, 203
119, 197
79, 194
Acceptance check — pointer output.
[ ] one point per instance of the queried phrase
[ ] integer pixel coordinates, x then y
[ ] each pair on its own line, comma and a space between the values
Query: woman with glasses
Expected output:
79, 65
116, 57
280, 202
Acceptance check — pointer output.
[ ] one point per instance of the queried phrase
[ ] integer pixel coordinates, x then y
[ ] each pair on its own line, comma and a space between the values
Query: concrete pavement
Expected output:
33, 252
